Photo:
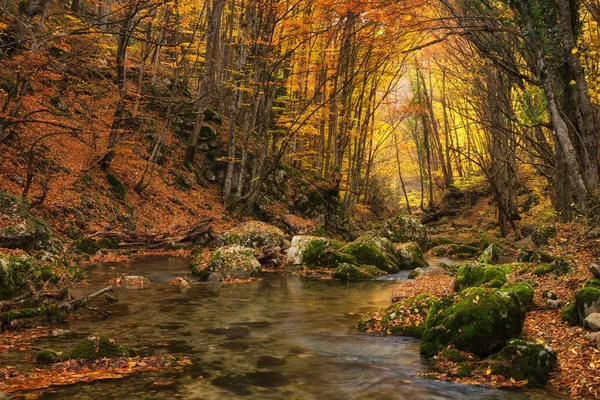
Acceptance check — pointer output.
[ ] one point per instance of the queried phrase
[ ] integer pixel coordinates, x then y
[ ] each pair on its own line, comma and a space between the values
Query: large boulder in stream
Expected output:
367, 250
476, 320
227, 263
470, 275
254, 234
403, 229
352, 273
317, 253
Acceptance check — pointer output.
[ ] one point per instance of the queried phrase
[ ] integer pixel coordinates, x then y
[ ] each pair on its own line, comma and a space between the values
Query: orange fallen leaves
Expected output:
76, 371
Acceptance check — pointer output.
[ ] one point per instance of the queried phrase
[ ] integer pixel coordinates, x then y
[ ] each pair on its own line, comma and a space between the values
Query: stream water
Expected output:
278, 338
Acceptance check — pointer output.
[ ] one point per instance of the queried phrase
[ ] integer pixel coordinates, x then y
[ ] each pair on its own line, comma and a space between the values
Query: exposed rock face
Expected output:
592, 322
227, 263
594, 268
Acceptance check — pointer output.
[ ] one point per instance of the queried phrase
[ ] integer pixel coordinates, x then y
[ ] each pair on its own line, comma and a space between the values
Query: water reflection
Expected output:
279, 338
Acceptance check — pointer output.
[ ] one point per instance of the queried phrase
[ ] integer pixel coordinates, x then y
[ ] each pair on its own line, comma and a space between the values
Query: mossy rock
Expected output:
476, 320
592, 282
434, 241
459, 251
97, 347
522, 360
586, 301
21, 229
254, 234
542, 234
402, 229
366, 251
324, 253
523, 290
410, 256
229, 262
490, 255
557, 267
349, 272
87, 246
16, 273
46, 357
480, 274
405, 318
534, 256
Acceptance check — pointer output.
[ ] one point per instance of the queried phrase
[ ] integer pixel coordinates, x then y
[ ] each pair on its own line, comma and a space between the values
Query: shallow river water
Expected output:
277, 338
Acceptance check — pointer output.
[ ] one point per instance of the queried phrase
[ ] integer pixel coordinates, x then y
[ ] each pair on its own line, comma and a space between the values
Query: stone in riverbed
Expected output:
229, 262
96, 347
349, 272
490, 255
47, 356
254, 234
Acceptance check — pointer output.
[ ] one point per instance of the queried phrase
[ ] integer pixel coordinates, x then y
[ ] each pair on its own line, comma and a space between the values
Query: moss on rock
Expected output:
523, 290
534, 256
402, 229
490, 255
229, 262
480, 274
477, 320
16, 273
324, 253
454, 250
254, 234
592, 282
366, 251
46, 357
349, 272
21, 229
522, 360
96, 347
405, 318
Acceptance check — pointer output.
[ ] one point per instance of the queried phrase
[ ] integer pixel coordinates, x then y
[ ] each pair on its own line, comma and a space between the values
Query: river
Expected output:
278, 338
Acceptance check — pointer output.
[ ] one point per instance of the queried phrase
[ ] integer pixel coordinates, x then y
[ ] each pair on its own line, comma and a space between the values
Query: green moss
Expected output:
405, 318
116, 187
254, 234
414, 274
402, 229
87, 246
477, 275
558, 267
592, 282
366, 252
46, 357
542, 270
349, 272
229, 262
477, 320
535, 256
96, 347
490, 255
410, 256
324, 253
569, 314
454, 250
523, 291
16, 273
522, 360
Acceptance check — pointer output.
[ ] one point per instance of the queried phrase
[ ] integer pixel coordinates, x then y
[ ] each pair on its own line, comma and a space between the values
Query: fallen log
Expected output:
66, 306
154, 240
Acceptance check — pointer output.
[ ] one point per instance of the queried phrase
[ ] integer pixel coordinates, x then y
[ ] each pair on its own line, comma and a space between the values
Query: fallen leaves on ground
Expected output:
76, 371
21, 340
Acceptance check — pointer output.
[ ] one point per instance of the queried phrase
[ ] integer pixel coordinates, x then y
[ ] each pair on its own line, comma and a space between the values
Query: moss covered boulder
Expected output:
459, 251
349, 272
409, 256
46, 357
318, 253
98, 346
479, 274
20, 229
477, 320
490, 255
586, 301
535, 256
523, 290
16, 273
405, 318
523, 360
558, 267
402, 229
254, 234
367, 251
227, 263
